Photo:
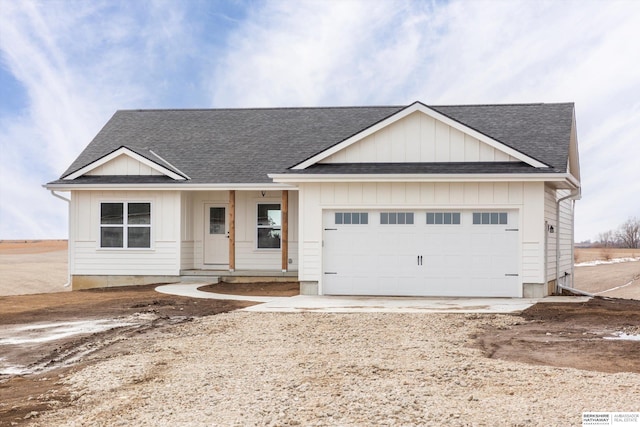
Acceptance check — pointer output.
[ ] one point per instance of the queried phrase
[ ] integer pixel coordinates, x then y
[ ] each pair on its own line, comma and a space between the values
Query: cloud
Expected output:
458, 52
80, 61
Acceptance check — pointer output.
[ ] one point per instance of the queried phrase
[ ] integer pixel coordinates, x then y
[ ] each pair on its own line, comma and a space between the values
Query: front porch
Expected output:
239, 233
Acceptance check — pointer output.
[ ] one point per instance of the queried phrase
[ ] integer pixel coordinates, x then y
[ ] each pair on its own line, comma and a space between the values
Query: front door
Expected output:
216, 235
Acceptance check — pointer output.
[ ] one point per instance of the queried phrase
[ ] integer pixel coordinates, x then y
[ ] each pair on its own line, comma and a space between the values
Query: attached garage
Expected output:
421, 253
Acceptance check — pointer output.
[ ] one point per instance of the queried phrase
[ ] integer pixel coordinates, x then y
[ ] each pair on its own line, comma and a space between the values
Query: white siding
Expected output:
418, 138
528, 198
89, 259
187, 246
562, 231
550, 220
566, 238
124, 165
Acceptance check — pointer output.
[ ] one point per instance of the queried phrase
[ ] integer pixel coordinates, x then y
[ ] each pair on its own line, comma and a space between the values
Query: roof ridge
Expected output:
515, 104
141, 110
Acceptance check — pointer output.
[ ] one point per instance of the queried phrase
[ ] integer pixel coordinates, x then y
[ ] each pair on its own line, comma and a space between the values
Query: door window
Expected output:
217, 220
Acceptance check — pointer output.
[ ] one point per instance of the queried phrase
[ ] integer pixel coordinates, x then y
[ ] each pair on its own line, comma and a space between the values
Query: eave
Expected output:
168, 187
558, 180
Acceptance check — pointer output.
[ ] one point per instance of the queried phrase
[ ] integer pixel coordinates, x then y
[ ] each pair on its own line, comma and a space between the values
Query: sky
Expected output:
67, 66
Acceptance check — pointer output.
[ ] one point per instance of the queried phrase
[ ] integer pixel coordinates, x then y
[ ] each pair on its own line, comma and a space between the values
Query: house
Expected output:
417, 200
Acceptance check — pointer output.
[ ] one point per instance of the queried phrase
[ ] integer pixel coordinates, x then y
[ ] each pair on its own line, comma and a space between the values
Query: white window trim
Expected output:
126, 226
257, 227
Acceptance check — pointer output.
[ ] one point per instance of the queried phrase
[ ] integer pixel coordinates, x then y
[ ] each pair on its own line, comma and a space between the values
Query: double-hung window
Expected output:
125, 225
269, 225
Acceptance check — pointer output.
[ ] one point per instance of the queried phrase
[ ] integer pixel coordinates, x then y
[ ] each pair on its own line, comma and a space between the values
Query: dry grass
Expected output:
604, 254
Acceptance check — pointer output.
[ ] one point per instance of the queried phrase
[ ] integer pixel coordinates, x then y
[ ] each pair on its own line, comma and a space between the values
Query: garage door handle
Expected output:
330, 229
330, 272
419, 259
510, 229
511, 274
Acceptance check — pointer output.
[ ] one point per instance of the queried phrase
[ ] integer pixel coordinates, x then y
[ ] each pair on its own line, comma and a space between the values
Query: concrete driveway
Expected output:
335, 304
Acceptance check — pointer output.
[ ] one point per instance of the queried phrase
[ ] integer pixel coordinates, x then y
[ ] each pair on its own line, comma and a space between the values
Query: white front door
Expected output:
216, 235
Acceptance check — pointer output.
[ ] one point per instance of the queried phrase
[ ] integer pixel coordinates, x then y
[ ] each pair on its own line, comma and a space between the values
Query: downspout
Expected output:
66, 285
573, 195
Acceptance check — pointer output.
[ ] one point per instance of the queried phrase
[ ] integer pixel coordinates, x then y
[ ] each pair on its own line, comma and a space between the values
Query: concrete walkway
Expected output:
334, 304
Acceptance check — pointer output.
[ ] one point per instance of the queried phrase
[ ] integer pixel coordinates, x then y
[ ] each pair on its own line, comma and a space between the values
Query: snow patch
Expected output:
44, 332
601, 262
623, 336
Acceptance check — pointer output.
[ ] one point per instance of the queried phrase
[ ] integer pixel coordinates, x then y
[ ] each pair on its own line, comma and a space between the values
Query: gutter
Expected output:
574, 195
66, 285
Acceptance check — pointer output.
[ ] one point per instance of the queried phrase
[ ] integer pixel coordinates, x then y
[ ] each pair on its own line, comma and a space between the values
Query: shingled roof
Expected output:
244, 145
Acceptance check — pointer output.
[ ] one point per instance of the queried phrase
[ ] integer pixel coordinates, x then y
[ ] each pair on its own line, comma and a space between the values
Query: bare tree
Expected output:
607, 239
629, 233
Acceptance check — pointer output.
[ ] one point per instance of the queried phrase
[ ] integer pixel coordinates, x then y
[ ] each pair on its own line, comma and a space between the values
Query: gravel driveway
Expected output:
243, 368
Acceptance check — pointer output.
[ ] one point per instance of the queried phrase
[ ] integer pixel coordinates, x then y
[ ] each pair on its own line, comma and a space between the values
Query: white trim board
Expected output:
127, 152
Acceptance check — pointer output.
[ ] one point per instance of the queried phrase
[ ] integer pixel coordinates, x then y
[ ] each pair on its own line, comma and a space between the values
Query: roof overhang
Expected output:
418, 106
557, 180
71, 186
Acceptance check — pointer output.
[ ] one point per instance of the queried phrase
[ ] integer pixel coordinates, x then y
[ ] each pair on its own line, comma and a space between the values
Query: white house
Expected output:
469, 200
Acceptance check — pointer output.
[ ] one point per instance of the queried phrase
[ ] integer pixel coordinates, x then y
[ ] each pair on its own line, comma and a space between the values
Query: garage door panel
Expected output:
423, 260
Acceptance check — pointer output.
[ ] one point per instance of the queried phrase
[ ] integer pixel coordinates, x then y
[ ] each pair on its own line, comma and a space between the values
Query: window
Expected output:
351, 218
396, 217
443, 218
490, 218
269, 225
125, 225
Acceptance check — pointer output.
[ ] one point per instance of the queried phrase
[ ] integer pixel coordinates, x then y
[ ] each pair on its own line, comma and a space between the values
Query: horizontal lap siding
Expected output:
89, 259
550, 218
160, 261
531, 262
566, 236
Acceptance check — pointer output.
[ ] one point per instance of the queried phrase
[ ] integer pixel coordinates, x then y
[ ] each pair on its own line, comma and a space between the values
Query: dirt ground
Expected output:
142, 309
578, 335
283, 289
554, 334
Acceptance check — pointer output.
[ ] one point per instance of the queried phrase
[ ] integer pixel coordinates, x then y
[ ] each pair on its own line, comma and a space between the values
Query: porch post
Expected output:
232, 230
285, 230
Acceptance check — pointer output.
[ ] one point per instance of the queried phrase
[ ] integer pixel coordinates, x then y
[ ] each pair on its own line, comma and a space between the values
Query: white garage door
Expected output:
421, 253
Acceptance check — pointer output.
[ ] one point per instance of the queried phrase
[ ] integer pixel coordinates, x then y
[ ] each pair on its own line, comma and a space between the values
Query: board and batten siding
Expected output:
418, 138
248, 256
124, 165
162, 259
528, 198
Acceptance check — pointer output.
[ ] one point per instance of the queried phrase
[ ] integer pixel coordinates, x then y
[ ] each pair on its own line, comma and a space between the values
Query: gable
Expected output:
419, 137
123, 165
127, 162
441, 136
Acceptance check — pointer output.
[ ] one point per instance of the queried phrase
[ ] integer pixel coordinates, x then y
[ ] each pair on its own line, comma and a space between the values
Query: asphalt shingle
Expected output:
244, 145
